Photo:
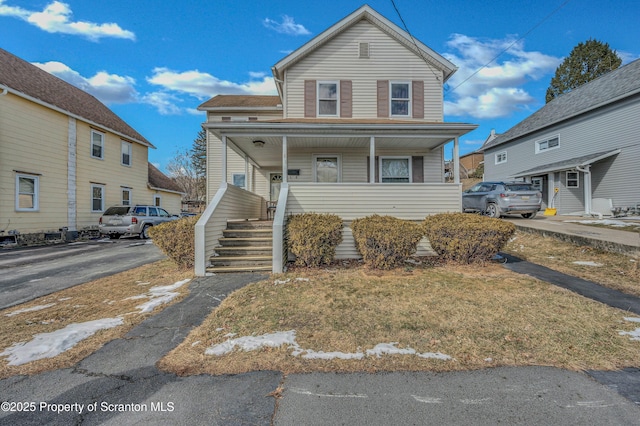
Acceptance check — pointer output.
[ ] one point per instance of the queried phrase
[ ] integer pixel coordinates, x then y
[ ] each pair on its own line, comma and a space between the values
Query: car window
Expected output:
485, 187
140, 211
116, 210
153, 211
519, 187
475, 188
163, 212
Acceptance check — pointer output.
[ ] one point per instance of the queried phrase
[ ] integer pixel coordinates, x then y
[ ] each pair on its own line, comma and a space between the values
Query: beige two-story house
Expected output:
65, 157
356, 129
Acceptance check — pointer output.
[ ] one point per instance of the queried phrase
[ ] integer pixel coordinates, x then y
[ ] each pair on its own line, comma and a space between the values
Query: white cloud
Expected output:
56, 18
495, 90
109, 88
287, 26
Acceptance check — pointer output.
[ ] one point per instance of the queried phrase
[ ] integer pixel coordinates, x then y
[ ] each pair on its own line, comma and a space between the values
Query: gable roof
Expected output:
30, 82
229, 102
365, 12
158, 180
614, 86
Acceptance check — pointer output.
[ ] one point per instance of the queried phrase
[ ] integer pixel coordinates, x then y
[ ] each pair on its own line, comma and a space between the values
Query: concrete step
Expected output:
248, 233
245, 242
241, 261
230, 269
244, 251
249, 224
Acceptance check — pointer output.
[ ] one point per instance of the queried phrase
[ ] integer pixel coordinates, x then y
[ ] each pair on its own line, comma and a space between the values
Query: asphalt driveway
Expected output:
28, 273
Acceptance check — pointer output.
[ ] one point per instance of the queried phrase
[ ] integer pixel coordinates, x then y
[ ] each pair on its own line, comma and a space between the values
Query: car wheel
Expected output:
145, 232
529, 215
114, 236
493, 210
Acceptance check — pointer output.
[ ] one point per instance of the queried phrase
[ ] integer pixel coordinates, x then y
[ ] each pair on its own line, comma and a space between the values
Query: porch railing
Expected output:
229, 203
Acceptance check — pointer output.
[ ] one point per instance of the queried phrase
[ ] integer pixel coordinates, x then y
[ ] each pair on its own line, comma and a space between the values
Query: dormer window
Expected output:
328, 98
400, 98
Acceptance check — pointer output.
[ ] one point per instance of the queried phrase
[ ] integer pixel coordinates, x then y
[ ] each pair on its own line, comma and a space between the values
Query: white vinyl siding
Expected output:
389, 60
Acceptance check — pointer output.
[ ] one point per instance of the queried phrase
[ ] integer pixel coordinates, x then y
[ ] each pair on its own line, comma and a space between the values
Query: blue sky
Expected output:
154, 61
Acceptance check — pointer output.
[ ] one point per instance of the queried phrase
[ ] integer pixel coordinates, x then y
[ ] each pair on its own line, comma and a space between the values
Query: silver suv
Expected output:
497, 198
132, 220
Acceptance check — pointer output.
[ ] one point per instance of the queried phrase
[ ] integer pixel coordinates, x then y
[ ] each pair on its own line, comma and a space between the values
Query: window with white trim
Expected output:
239, 180
97, 144
547, 144
97, 198
126, 153
400, 98
395, 169
573, 180
328, 99
326, 168
27, 193
501, 157
126, 196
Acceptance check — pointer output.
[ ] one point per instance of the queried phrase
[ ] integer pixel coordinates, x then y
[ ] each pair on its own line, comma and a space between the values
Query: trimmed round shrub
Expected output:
467, 238
385, 242
314, 237
177, 240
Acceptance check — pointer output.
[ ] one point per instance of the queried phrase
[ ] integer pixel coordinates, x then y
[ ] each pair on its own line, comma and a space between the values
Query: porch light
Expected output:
258, 144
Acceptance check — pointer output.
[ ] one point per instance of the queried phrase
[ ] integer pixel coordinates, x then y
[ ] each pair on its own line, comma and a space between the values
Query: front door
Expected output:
540, 183
275, 180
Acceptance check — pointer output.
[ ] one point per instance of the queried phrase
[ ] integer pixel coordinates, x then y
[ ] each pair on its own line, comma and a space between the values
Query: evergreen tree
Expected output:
587, 61
199, 160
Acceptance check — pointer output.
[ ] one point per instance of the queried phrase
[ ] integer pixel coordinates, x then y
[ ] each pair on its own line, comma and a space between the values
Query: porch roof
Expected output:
333, 133
569, 164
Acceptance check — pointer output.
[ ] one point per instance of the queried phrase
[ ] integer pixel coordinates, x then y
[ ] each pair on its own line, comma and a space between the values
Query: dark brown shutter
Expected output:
345, 99
417, 169
418, 99
376, 177
309, 98
383, 98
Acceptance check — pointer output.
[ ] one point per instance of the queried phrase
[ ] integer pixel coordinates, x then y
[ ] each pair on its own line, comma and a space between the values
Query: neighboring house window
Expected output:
327, 168
157, 200
327, 98
239, 180
27, 190
97, 198
572, 180
126, 153
395, 169
547, 144
501, 157
97, 144
126, 196
400, 99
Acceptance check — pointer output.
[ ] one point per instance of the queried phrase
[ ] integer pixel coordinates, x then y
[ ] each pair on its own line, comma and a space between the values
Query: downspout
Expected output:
587, 190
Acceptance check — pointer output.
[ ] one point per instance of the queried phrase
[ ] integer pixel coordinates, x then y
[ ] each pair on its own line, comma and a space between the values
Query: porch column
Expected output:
223, 157
586, 170
285, 166
246, 172
372, 160
456, 161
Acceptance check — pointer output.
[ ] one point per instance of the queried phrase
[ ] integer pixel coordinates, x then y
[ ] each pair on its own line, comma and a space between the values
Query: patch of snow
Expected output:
32, 309
632, 319
279, 282
277, 339
49, 345
230, 334
35, 280
306, 280
587, 263
635, 334
219, 329
62, 299
160, 295
196, 343
610, 222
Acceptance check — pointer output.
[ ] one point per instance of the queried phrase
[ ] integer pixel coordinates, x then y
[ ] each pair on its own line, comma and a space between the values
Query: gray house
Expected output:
583, 147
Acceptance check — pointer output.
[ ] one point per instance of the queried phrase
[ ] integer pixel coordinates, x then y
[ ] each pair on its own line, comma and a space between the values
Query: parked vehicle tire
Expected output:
114, 236
145, 232
529, 215
493, 210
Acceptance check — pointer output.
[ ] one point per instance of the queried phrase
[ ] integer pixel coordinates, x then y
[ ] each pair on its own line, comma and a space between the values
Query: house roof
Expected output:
365, 12
606, 89
569, 164
158, 180
28, 81
228, 102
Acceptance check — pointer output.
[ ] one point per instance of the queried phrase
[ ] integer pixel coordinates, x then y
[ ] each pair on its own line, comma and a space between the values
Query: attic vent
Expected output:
364, 50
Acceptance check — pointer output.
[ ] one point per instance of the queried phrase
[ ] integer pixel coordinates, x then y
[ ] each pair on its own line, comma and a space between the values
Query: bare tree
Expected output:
181, 169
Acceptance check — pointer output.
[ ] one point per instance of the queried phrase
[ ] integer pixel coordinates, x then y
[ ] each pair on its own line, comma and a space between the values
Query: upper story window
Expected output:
126, 153
328, 98
27, 193
547, 144
501, 157
400, 98
97, 144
